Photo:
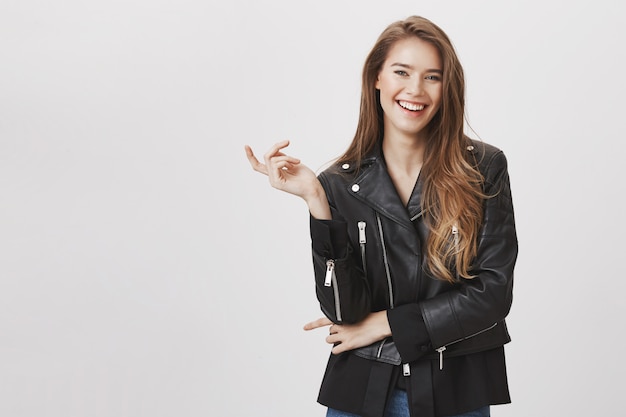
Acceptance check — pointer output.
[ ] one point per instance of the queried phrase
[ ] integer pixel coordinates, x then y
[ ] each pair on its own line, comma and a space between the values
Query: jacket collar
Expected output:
374, 187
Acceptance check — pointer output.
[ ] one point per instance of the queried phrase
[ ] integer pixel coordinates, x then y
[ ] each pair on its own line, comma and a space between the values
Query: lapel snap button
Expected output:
356, 188
345, 166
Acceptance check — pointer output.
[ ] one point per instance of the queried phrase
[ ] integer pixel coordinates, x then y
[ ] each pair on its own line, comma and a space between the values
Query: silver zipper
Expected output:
330, 271
382, 243
331, 279
362, 242
417, 215
406, 369
380, 348
455, 235
442, 348
362, 239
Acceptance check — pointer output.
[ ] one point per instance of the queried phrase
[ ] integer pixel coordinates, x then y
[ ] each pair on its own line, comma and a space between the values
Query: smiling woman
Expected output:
414, 241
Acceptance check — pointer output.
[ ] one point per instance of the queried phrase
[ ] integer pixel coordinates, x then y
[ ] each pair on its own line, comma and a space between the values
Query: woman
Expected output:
414, 241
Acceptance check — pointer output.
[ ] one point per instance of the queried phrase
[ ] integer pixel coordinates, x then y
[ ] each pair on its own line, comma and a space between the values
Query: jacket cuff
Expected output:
409, 332
329, 238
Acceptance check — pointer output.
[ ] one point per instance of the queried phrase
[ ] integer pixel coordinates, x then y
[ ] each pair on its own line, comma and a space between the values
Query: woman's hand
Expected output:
346, 337
288, 174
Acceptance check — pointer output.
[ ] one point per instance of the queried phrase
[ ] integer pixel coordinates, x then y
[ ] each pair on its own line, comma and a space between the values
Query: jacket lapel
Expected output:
415, 202
375, 188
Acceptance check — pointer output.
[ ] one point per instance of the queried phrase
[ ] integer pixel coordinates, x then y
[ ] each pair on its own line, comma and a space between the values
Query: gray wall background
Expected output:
145, 270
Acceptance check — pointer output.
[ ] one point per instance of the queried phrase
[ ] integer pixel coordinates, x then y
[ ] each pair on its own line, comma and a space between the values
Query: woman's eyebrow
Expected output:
407, 66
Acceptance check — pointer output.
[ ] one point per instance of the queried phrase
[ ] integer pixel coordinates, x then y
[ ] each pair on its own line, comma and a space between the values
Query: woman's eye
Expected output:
401, 73
433, 78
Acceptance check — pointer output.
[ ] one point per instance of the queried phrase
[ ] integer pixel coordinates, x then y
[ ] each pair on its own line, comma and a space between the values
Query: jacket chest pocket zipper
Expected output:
443, 348
362, 242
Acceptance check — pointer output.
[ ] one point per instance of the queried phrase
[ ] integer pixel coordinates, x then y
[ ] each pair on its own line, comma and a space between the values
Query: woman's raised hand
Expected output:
288, 174
285, 172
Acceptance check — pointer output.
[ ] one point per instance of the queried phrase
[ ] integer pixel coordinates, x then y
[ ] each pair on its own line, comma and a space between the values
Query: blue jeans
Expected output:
398, 406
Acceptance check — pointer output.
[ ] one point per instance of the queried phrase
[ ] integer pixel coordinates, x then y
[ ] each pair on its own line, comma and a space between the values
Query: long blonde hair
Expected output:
452, 197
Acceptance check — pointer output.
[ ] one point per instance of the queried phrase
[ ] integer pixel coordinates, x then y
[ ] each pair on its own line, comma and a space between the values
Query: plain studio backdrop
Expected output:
146, 270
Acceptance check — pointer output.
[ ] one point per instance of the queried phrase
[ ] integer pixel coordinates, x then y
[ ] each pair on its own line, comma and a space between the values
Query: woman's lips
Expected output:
414, 107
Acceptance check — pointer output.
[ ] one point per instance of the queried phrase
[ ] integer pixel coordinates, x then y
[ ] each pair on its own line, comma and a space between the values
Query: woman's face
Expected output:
410, 85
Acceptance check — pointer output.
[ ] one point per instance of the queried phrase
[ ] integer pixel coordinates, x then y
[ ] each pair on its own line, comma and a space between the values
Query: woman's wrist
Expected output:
318, 204
385, 327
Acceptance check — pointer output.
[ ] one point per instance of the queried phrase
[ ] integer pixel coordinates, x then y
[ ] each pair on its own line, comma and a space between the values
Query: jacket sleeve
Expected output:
340, 284
475, 304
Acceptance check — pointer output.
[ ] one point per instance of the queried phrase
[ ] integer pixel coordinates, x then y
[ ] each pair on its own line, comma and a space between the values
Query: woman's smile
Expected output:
410, 106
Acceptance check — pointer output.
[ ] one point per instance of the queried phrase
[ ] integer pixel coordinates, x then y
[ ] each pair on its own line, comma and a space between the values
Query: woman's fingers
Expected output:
339, 336
274, 159
288, 174
316, 324
275, 150
340, 341
254, 162
283, 161
274, 156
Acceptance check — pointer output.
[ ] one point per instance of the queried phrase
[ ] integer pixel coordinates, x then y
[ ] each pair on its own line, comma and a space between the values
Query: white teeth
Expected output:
411, 106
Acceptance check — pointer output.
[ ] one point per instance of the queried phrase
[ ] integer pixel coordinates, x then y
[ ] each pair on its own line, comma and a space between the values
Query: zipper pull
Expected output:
361, 232
455, 233
406, 369
440, 350
330, 271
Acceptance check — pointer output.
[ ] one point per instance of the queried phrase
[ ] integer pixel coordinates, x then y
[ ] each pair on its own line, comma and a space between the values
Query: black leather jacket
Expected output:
370, 257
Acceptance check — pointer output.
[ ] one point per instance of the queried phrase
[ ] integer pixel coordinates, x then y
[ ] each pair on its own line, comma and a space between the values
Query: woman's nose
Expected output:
416, 86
